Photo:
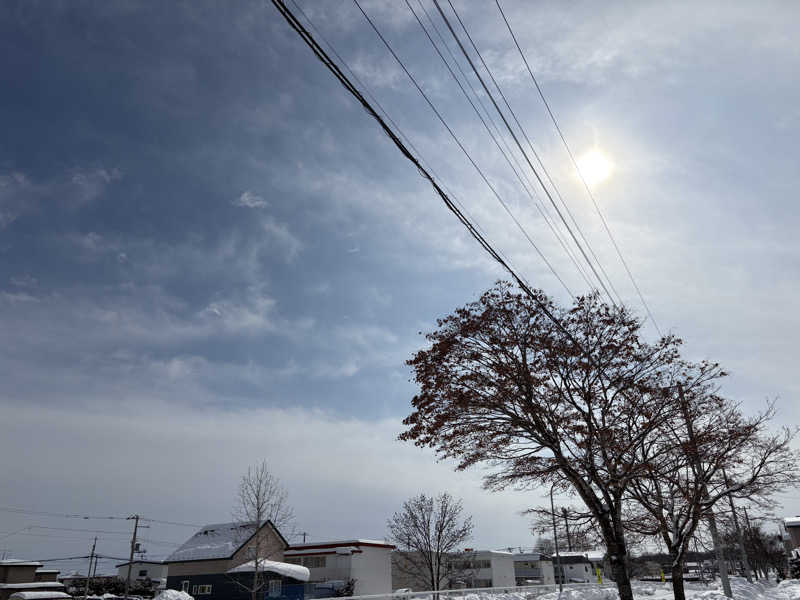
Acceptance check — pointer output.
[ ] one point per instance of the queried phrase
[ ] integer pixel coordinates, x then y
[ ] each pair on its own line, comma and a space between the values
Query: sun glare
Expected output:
595, 167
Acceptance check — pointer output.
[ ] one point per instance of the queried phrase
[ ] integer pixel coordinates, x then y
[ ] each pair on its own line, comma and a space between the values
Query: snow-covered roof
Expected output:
218, 540
792, 521
287, 570
32, 585
38, 596
295, 548
15, 562
48, 570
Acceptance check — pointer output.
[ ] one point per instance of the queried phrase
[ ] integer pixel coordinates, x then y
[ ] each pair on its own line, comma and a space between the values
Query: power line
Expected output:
388, 117
463, 149
195, 525
516, 139
575, 164
488, 129
320, 53
25, 511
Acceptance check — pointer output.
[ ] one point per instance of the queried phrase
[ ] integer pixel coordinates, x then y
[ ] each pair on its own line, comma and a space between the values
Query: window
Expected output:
314, 562
203, 589
185, 586
275, 588
194, 590
143, 573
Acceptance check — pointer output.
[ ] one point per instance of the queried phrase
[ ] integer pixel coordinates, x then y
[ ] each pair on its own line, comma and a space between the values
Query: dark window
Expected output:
143, 573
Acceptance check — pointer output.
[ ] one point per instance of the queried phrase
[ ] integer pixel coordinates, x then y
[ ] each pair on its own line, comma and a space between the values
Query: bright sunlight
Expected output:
595, 167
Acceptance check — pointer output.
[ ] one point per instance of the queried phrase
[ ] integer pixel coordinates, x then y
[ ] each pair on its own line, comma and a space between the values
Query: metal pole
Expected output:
555, 542
133, 547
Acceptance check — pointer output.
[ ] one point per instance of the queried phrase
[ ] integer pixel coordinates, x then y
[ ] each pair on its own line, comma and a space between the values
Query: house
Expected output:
533, 568
367, 562
792, 525
75, 583
19, 577
470, 569
142, 571
205, 565
573, 567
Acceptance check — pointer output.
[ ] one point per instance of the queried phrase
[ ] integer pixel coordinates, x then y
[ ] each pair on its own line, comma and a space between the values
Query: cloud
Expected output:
250, 199
280, 235
70, 191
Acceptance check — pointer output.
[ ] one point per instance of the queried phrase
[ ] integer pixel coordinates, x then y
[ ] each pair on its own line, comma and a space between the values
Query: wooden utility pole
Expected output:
566, 526
722, 565
89, 570
739, 534
133, 547
555, 543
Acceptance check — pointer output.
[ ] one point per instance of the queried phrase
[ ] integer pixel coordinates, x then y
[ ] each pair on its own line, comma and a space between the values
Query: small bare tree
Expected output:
260, 498
427, 532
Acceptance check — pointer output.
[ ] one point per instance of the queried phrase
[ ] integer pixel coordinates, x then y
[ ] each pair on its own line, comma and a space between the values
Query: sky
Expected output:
210, 255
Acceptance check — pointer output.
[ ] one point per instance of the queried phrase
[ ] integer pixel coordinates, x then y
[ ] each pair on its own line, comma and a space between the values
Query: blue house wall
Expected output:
225, 587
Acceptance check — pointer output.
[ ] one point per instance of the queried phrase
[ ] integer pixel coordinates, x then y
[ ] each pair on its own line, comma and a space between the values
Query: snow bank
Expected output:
39, 596
173, 595
286, 569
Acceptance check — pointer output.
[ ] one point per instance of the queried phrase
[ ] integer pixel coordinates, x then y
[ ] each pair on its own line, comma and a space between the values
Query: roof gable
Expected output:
218, 541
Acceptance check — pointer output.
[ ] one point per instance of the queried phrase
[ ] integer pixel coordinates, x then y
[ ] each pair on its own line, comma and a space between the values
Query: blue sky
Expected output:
210, 255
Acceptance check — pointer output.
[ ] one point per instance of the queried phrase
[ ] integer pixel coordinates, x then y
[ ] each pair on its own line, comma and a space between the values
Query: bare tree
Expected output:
708, 453
260, 498
543, 402
427, 532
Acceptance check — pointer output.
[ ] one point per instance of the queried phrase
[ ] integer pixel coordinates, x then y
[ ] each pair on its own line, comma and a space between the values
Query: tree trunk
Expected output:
677, 581
621, 578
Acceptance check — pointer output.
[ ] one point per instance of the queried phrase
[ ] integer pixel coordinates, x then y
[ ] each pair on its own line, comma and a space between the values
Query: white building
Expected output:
484, 568
141, 570
368, 562
532, 568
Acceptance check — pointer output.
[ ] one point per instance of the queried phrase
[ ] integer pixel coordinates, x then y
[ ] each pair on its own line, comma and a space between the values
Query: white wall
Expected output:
154, 571
372, 570
502, 569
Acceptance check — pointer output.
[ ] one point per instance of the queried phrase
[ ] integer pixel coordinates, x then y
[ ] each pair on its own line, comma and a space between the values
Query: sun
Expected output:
595, 167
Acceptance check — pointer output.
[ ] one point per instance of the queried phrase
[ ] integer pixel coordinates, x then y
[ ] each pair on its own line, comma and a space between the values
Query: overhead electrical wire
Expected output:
385, 113
578, 170
489, 130
320, 53
518, 143
463, 149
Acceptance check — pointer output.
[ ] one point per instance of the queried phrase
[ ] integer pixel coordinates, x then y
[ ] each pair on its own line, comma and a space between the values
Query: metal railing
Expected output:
528, 591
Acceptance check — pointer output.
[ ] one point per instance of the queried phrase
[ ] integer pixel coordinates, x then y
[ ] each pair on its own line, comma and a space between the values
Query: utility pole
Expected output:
555, 542
739, 534
566, 525
133, 547
712, 520
89, 570
304, 537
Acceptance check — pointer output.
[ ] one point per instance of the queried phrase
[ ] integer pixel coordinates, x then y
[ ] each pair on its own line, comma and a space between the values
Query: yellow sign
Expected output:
599, 574
663, 579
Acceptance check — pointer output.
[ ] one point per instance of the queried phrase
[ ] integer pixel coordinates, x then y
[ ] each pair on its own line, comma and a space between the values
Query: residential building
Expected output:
205, 566
20, 577
142, 571
533, 568
366, 562
792, 525
573, 567
470, 569
75, 583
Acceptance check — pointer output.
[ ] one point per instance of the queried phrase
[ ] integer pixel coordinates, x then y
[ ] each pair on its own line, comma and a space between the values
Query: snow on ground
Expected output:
173, 595
786, 590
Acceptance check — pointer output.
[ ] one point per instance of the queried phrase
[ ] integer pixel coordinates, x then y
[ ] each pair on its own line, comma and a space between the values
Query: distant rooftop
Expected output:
340, 543
19, 563
792, 521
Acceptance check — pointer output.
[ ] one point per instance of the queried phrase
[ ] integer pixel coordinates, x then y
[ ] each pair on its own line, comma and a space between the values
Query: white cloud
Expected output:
279, 233
250, 199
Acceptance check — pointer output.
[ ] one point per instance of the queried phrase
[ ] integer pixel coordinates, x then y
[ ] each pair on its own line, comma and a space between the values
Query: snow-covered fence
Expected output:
528, 592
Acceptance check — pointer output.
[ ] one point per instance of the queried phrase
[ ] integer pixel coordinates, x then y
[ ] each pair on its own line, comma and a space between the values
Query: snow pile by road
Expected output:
173, 595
